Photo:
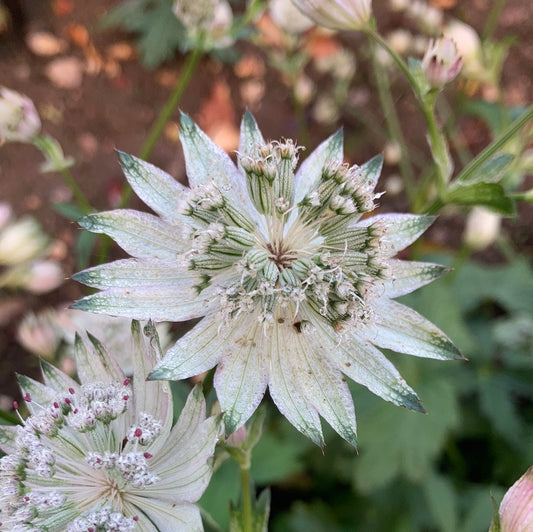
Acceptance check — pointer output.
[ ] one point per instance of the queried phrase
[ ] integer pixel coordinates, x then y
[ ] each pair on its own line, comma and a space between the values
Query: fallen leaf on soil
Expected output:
250, 66
78, 34
45, 44
121, 51
444, 4
88, 144
62, 8
166, 78
217, 117
65, 72
269, 33
320, 45
172, 132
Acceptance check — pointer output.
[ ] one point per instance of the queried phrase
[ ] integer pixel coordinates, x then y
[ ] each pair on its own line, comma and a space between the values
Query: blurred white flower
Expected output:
207, 22
22, 240
43, 276
288, 17
482, 228
6, 214
39, 334
442, 62
19, 120
102, 454
468, 46
337, 14
400, 40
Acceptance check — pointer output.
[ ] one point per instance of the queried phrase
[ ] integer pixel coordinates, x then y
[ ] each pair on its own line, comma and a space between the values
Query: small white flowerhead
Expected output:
102, 454
39, 334
294, 286
337, 14
22, 240
207, 22
19, 120
442, 62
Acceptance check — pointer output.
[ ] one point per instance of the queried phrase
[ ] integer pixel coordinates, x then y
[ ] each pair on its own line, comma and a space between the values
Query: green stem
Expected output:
426, 103
393, 124
492, 19
79, 196
246, 497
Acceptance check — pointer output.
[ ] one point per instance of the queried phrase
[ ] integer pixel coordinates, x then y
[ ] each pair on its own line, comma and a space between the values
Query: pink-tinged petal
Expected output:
161, 192
402, 329
516, 509
140, 234
284, 383
138, 272
147, 303
242, 375
403, 277
398, 230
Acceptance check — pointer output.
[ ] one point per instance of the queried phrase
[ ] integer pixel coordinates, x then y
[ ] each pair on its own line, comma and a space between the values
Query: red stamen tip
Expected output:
138, 433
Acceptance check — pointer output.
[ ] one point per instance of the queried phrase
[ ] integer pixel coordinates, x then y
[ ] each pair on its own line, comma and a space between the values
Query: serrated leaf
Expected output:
490, 195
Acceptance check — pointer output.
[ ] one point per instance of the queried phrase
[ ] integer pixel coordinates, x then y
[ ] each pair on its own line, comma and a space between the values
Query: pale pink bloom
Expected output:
44, 276
516, 509
19, 120
442, 62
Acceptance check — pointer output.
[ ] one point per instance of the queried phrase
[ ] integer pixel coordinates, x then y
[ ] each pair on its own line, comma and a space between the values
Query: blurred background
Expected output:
99, 72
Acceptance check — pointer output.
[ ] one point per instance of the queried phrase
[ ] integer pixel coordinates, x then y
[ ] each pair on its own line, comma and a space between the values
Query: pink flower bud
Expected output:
441, 62
19, 120
516, 509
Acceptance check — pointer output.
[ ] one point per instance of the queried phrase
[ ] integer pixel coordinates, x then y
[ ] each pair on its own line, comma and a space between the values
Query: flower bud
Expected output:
516, 509
21, 241
346, 15
288, 17
468, 46
39, 334
441, 62
19, 120
482, 228
44, 276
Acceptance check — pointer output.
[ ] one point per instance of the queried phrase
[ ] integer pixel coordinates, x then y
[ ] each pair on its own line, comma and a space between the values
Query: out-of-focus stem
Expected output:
393, 123
492, 19
246, 498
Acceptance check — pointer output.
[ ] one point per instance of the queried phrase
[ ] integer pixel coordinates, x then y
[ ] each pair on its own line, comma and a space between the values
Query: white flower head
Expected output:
19, 120
102, 454
295, 289
288, 17
337, 14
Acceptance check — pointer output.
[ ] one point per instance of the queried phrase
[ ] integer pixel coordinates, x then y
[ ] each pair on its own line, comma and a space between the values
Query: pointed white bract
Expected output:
293, 285
102, 454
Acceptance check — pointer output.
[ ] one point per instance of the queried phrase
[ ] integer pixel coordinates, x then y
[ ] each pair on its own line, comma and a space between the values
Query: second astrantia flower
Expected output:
294, 288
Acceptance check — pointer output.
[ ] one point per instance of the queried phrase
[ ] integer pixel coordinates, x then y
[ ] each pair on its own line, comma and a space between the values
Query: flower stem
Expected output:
79, 196
493, 19
246, 497
166, 112
426, 102
393, 124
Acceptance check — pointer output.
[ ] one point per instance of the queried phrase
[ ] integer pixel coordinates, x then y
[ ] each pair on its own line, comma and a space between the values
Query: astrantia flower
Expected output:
19, 120
442, 62
294, 286
337, 14
103, 455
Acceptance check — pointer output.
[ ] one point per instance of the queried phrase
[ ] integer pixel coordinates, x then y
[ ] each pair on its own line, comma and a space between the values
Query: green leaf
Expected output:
69, 210
490, 171
417, 70
442, 503
397, 442
489, 195
83, 248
